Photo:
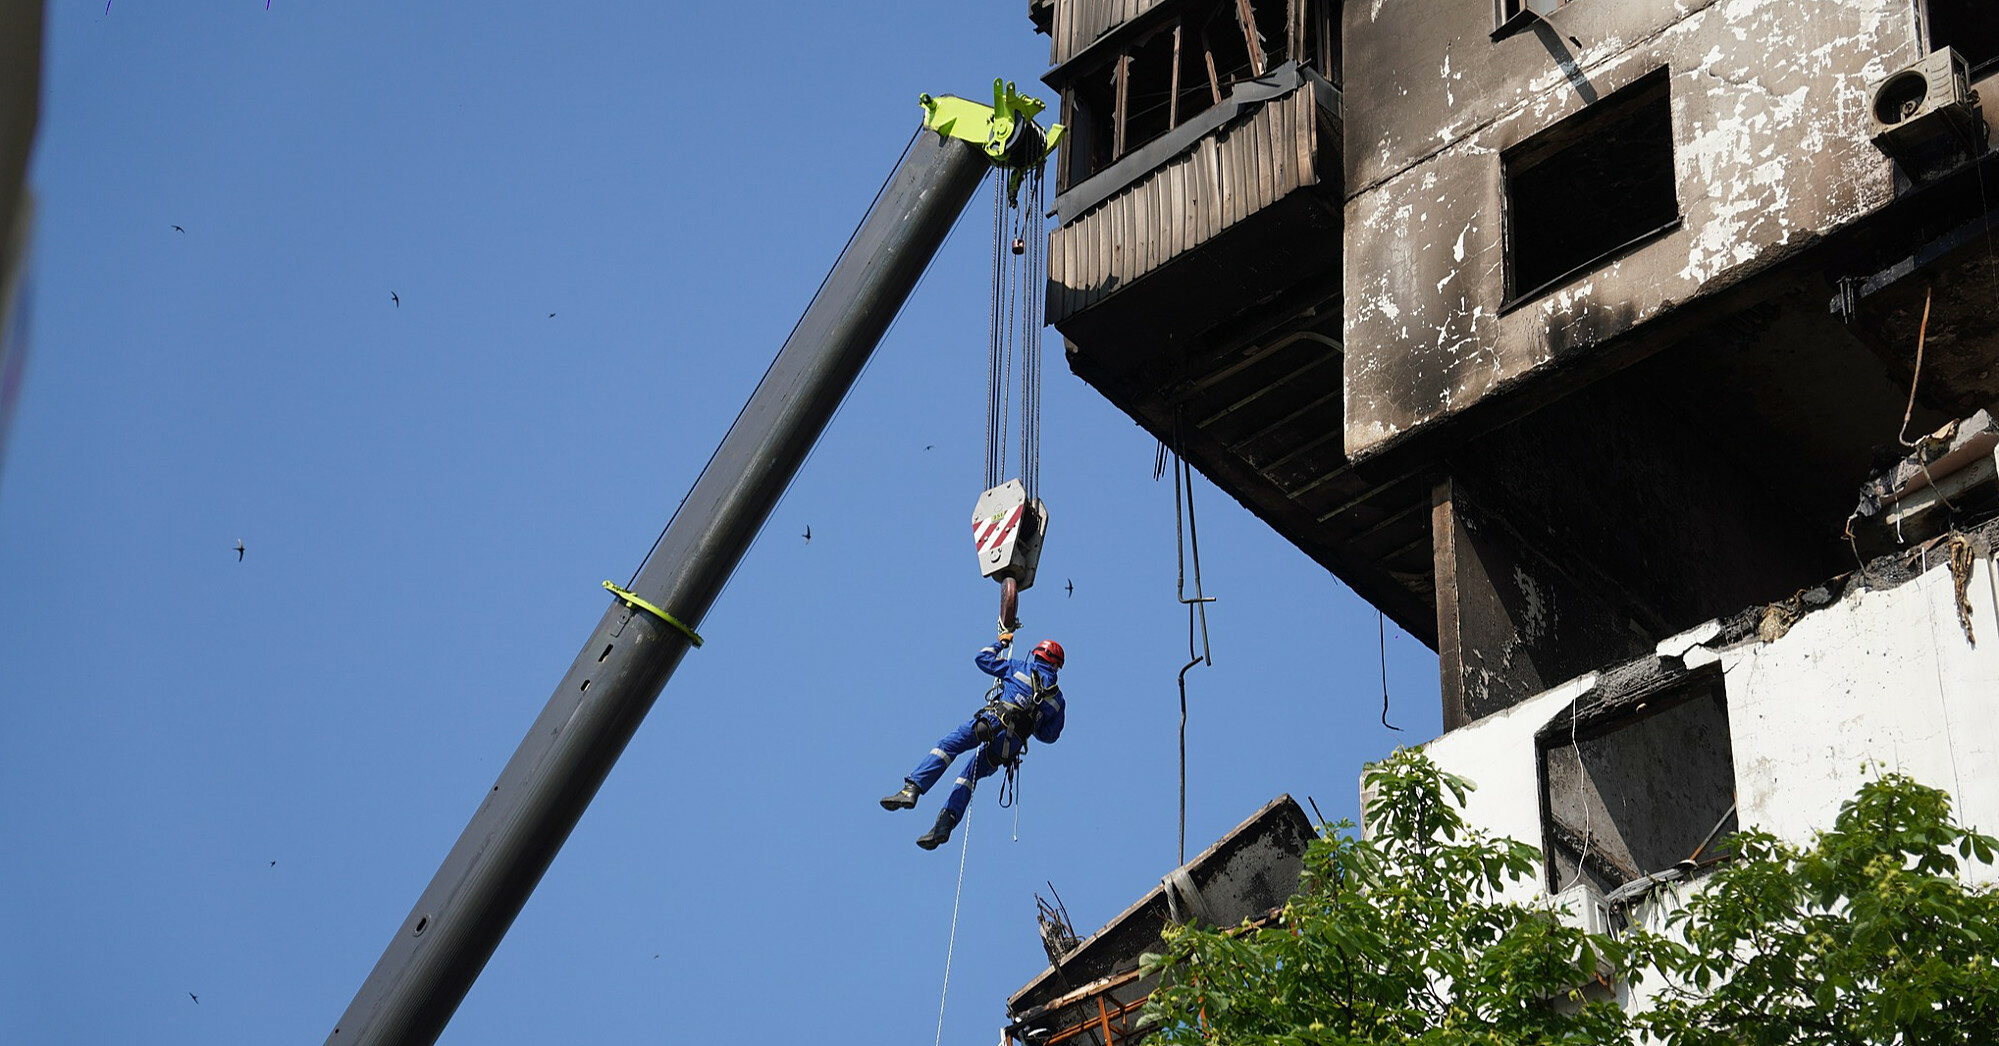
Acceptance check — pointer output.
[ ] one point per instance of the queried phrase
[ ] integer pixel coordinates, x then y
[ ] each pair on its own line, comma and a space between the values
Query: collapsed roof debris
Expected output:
1096, 988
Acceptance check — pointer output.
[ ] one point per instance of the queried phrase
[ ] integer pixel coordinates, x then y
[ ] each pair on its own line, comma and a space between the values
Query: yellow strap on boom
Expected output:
632, 600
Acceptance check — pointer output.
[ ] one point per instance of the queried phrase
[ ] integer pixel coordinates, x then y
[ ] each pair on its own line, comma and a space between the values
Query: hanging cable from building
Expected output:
1381, 641
1186, 545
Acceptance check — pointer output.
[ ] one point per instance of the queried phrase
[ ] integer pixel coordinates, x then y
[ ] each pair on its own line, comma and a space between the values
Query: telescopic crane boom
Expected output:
524, 818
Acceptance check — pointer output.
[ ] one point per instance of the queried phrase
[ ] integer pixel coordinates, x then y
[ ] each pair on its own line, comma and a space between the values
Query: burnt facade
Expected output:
1552, 328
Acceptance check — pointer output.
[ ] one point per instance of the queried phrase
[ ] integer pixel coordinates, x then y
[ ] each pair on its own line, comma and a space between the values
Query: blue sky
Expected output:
429, 495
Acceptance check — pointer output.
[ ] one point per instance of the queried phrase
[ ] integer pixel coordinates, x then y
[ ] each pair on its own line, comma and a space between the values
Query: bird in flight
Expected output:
393, 298
274, 864
927, 446
1071, 586
180, 230
196, 998
239, 550
808, 534
551, 315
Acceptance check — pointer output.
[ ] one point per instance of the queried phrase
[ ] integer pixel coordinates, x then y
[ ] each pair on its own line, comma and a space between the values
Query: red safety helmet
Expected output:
1050, 651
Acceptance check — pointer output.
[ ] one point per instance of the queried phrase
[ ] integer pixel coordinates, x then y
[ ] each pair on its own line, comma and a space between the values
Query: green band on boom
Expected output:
632, 600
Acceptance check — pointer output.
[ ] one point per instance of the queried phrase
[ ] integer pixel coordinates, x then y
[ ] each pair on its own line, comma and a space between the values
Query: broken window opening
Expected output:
1092, 104
1228, 49
1638, 782
1148, 104
1969, 28
1321, 46
1589, 188
1198, 92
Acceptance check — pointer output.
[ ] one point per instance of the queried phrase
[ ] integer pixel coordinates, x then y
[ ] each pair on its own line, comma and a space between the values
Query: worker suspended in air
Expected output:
1025, 703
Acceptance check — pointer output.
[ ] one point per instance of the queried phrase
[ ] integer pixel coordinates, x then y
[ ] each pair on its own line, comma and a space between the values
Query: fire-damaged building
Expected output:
1638, 358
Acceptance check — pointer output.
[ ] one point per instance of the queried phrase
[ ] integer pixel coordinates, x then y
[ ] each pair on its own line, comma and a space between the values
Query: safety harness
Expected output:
1018, 721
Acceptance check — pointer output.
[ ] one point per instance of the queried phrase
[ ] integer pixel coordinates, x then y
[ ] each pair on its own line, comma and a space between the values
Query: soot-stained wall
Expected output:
1770, 151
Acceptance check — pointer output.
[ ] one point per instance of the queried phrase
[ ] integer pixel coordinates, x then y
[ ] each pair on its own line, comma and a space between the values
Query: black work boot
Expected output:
902, 800
939, 832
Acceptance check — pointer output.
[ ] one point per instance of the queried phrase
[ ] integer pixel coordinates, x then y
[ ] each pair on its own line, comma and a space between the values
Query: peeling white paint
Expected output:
1880, 680
1770, 150
1535, 619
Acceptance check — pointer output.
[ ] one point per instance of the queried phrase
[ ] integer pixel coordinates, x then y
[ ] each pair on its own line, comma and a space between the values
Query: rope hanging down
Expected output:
964, 847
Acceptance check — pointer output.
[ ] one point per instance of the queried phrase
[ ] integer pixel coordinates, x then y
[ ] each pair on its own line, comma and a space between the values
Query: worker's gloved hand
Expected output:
1005, 637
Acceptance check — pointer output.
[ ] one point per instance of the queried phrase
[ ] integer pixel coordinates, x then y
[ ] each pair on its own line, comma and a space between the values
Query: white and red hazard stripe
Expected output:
996, 531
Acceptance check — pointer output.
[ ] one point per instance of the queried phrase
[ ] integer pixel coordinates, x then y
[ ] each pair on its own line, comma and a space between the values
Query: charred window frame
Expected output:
1589, 189
1970, 27
1167, 74
1638, 779
1511, 16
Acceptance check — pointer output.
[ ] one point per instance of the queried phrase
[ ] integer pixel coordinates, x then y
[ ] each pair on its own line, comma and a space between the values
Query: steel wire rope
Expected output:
1031, 297
1014, 331
1000, 352
994, 404
740, 411
1030, 333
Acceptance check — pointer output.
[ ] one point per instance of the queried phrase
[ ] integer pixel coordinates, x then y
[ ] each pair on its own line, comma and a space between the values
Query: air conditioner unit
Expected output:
1918, 105
1583, 908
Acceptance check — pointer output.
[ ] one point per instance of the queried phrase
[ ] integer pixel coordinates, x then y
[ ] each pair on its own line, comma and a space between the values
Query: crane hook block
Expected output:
1007, 528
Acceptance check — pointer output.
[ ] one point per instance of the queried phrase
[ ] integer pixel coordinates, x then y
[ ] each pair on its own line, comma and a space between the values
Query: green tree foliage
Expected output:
1401, 937
1865, 937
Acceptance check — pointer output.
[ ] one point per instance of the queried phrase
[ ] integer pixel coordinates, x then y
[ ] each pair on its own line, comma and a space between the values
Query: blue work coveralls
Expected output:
1017, 678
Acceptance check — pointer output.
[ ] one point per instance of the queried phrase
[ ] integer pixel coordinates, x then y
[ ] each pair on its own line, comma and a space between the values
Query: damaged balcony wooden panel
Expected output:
1244, 875
1243, 212
1079, 23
